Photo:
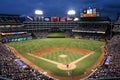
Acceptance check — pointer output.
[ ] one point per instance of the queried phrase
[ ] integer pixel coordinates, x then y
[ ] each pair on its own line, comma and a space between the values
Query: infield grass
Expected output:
24, 47
70, 56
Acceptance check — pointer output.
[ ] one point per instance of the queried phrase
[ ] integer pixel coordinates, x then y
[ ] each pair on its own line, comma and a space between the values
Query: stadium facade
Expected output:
16, 28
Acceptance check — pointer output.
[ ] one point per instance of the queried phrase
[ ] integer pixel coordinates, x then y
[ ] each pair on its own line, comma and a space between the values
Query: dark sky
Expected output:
59, 8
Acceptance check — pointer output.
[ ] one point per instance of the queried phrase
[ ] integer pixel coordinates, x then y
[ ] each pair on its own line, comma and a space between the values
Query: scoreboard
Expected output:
90, 12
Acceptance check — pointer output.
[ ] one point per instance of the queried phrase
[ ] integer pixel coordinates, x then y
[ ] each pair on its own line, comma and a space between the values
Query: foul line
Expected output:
76, 61
45, 59
57, 63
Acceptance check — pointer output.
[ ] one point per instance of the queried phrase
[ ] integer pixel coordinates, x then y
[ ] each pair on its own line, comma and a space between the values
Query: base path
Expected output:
62, 66
70, 66
76, 61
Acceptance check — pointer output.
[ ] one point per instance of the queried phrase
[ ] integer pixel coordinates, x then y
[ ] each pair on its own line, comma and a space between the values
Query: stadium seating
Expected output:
110, 69
10, 19
12, 70
68, 34
116, 28
91, 36
42, 34
15, 37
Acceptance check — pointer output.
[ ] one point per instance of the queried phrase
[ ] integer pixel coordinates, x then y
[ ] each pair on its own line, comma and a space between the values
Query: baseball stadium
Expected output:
59, 48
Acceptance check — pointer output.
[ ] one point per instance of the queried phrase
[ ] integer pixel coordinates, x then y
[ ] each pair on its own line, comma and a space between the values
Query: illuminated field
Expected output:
25, 47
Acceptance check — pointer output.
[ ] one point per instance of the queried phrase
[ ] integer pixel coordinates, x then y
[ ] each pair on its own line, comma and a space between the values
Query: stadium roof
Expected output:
9, 15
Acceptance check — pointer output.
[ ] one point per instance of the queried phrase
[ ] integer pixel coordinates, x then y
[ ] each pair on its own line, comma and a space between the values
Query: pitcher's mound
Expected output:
63, 56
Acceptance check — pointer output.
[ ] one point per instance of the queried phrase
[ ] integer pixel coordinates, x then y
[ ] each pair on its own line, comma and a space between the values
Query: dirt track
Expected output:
39, 53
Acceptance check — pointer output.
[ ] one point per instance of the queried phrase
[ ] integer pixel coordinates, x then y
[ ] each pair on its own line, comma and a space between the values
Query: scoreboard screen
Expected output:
91, 12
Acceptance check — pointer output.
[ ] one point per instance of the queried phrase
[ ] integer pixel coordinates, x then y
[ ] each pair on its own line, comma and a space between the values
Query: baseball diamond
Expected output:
78, 56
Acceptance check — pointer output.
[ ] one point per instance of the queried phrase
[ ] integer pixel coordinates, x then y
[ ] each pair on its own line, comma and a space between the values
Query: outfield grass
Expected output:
71, 56
25, 47
56, 35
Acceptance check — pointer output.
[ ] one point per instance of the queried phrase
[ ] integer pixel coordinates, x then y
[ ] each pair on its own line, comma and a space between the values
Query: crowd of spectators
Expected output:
9, 69
91, 36
42, 34
15, 37
116, 28
68, 34
9, 19
92, 28
110, 68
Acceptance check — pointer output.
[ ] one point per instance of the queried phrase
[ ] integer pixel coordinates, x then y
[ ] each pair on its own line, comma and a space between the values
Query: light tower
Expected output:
38, 12
39, 15
71, 15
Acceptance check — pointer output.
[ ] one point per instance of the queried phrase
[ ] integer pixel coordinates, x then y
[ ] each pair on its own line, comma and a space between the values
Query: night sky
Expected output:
59, 8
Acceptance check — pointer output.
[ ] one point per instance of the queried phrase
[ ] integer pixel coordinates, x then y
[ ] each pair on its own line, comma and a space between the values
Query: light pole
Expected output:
39, 15
71, 15
71, 12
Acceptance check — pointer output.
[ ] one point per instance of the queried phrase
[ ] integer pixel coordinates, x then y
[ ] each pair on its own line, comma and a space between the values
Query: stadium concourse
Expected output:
14, 28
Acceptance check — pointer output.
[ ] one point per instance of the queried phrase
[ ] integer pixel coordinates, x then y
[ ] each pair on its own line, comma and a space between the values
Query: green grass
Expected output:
55, 34
71, 56
25, 47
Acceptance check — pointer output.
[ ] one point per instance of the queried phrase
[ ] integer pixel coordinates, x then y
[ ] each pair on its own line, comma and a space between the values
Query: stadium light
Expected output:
71, 12
38, 12
76, 19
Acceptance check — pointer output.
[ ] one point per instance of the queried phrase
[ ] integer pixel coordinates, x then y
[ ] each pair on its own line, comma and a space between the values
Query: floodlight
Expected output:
71, 12
76, 19
39, 12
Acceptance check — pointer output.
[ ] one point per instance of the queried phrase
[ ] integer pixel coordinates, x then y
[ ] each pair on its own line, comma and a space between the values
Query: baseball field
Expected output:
60, 56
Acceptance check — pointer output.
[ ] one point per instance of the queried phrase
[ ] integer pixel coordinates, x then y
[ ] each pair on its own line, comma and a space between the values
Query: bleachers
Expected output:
10, 19
92, 28
116, 27
9, 69
42, 34
91, 36
111, 70
15, 37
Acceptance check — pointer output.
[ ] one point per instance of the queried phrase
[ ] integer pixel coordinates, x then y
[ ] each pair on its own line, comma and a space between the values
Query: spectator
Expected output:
111, 70
12, 70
